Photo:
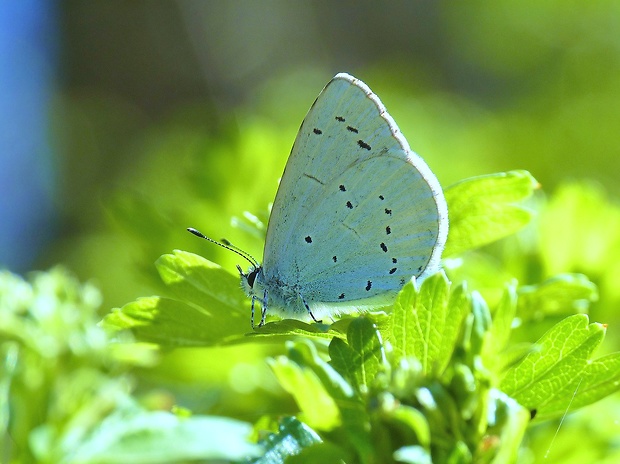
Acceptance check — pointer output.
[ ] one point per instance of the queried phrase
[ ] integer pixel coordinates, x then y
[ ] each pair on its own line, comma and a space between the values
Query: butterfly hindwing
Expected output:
371, 232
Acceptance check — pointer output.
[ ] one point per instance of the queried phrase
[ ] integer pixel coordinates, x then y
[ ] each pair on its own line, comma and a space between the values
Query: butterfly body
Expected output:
357, 213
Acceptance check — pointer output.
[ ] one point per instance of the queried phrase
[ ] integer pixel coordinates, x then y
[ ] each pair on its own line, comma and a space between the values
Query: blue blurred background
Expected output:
29, 38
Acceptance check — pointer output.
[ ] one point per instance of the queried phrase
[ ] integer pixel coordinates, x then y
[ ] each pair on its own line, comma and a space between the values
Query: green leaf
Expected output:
556, 366
170, 323
211, 309
485, 208
459, 306
285, 329
426, 322
599, 378
496, 344
317, 406
362, 357
133, 435
293, 436
479, 328
320, 453
418, 318
303, 355
416, 422
508, 421
198, 281
503, 318
564, 293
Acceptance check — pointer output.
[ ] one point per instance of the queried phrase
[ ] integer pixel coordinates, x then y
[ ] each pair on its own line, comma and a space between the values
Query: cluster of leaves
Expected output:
428, 383
65, 394
442, 375
436, 379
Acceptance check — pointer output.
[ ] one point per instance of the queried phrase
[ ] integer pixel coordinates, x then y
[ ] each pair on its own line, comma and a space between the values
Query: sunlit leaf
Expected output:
170, 323
426, 322
508, 422
159, 437
210, 309
362, 356
564, 294
486, 208
599, 378
196, 280
556, 366
292, 437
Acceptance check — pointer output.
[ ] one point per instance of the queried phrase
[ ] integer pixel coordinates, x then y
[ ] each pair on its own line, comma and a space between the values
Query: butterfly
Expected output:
357, 213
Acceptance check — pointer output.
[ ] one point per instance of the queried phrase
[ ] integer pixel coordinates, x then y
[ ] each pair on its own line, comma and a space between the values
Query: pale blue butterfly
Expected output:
356, 215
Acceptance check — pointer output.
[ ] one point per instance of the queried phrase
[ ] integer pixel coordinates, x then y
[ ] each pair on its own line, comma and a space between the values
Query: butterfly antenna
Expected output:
226, 244
235, 248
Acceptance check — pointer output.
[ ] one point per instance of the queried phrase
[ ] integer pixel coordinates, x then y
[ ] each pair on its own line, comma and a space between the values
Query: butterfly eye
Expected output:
252, 277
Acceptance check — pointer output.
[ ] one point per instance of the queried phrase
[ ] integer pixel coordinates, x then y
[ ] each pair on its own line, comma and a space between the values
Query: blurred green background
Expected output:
194, 107
126, 122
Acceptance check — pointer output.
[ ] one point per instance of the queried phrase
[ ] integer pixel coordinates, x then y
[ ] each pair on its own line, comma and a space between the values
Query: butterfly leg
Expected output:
308, 308
252, 319
263, 310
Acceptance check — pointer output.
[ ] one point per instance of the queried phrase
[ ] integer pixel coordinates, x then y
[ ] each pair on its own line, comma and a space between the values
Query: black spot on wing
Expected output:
308, 239
335, 258
340, 119
342, 188
352, 129
341, 296
381, 197
388, 212
394, 260
393, 270
317, 131
349, 205
384, 247
368, 285
388, 231
363, 145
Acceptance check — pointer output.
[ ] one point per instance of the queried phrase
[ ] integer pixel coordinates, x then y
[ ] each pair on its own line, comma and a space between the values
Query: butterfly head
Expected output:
249, 279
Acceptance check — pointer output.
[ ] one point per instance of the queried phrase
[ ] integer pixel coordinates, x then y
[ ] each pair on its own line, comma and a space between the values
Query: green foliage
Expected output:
65, 394
558, 367
429, 336
486, 208
444, 374
410, 405
440, 376
293, 438
389, 407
